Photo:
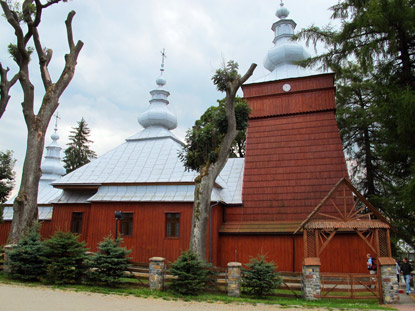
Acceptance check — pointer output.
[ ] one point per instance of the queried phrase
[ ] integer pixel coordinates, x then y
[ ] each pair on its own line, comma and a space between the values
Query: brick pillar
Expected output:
388, 277
234, 279
6, 249
155, 273
310, 282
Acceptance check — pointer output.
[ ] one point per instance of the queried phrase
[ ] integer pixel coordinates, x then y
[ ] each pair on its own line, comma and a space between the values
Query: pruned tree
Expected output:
208, 157
78, 152
25, 23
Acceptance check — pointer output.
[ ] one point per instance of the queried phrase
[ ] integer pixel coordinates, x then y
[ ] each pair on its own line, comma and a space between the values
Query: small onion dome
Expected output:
158, 114
282, 12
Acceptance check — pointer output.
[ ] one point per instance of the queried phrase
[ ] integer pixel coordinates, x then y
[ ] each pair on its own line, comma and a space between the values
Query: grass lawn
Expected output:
131, 287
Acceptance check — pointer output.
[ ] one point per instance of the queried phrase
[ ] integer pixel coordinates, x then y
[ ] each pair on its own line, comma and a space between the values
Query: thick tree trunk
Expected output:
204, 183
25, 204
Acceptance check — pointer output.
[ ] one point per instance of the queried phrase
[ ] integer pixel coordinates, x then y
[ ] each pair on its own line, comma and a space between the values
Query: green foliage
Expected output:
225, 75
26, 259
110, 262
260, 278
65, 258
372, 54
192, 274
6, 176
78, 152
204, 139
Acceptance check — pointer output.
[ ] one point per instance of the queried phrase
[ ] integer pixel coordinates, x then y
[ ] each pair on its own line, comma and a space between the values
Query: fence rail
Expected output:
349, 286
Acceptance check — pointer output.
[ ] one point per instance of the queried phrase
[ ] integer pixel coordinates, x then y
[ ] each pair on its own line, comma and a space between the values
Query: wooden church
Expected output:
289, 198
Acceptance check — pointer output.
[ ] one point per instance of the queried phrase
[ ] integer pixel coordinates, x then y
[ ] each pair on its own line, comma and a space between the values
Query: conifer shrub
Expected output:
260, 277
192, 274
66, 258
26, 260
110, 263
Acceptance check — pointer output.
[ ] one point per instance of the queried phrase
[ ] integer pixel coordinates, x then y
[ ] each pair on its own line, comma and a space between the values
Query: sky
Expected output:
121, 58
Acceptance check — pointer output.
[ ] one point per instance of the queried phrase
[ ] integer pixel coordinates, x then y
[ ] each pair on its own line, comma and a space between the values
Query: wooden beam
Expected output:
305, 242
327, 241
388, 240
316, 248
335, 206
320, 204
353, 208
367, 243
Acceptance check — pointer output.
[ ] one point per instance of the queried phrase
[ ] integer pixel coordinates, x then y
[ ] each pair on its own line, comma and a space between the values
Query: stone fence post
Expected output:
389, 279
155, 273
6, 250
310, 282
234, 279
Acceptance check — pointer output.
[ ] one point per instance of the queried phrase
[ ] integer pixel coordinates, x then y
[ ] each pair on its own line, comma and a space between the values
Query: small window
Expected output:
172, 225
126, 227
76, 226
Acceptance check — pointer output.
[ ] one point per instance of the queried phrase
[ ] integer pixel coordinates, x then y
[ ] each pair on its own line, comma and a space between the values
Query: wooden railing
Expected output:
349, 286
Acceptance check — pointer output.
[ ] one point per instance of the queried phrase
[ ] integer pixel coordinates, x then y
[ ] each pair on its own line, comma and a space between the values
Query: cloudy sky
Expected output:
120, 60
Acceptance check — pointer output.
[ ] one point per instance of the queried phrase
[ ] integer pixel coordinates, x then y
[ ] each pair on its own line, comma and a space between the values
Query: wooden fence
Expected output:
349, 286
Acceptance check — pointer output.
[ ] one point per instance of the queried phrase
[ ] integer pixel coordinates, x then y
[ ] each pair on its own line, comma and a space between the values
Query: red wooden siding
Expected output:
294, 156
4, 231
306, 95
279, 248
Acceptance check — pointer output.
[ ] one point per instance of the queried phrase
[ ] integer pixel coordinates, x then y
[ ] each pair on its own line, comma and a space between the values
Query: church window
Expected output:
126, 226
172, 225
76, 225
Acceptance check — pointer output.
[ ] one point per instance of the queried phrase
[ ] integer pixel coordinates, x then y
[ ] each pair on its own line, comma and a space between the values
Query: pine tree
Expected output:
78, 153
260, 278
110, 262
26, 259
6, 177
65, 257
192, 274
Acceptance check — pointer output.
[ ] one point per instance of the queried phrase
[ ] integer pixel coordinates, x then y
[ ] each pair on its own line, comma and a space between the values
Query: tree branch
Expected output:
44, 59
68, 23
5, 86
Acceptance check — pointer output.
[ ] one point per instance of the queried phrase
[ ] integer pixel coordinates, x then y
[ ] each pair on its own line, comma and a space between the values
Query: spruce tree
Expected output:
6, 177
260, 277
110, 263
78, 152
65, 257
192, 274
26, 259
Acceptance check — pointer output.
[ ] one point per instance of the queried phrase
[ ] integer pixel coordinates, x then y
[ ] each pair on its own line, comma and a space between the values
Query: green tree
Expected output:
26, 259
25, 22
6, 177
110, 263
260, 277
65, 257
378, 36
78, 153
208, 154
192, 274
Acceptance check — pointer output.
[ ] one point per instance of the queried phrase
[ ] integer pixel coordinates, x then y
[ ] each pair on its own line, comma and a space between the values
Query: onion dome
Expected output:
52, 168
158, 114
281, 58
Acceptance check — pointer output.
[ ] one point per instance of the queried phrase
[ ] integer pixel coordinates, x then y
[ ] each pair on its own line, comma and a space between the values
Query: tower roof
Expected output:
281, 59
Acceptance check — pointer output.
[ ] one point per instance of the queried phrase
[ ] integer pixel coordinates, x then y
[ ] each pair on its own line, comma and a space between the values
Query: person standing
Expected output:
406, 272
371, 266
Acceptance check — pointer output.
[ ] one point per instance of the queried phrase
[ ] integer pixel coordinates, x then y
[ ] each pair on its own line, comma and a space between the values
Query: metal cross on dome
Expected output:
163, 56
56, 121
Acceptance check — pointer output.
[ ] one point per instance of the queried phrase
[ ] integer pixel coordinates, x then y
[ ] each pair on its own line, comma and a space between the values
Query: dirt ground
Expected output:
23, 298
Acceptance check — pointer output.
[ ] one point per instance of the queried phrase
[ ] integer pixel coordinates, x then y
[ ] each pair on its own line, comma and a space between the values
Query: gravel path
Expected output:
23, 298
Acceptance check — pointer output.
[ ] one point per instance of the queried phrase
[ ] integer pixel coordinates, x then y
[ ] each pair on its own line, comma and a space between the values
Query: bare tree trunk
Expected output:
25, 204
208, 174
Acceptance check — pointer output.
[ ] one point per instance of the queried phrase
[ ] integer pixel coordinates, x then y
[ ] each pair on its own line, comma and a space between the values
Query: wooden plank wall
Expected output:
279, 248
